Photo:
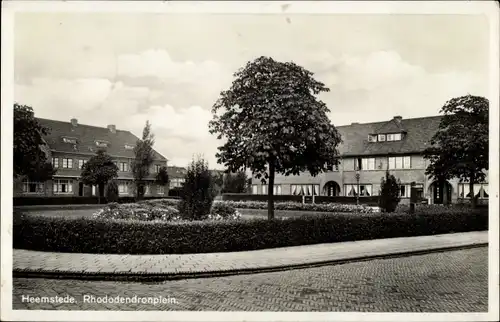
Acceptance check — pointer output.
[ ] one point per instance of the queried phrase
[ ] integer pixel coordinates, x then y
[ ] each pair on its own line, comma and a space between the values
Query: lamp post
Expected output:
357, 182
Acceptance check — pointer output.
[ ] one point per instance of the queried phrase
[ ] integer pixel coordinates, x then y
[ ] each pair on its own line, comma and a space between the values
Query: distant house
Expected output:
370, 149
70, 145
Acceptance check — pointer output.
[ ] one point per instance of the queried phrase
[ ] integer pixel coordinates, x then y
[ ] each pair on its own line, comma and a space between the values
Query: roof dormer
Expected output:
101, 143
67, 139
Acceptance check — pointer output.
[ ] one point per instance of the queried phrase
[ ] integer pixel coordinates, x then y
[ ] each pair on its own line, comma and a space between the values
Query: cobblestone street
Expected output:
455, 281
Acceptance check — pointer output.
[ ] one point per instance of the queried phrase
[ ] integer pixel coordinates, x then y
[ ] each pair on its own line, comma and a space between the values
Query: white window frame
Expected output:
398, 137
67, 163
255, 189
277, 190
407, 191
129, 147
365, 187
157, 168
147, 190
58, 185
123, 188
55, 162
367, 164
81, 163
304, 189
478, 189
264, 189
381, 137
160, 190
39, 187
399, 162
123, 166
372, 138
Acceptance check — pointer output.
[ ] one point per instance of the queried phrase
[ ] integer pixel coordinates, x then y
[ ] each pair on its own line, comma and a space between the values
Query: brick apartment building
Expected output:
70, 145
367, 151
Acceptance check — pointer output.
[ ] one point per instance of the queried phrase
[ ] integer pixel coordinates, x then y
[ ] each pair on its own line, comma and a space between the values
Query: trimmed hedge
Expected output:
370, 201
49, 201
84, 235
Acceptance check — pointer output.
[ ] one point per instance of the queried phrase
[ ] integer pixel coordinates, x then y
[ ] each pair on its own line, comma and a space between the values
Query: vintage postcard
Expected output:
250, 161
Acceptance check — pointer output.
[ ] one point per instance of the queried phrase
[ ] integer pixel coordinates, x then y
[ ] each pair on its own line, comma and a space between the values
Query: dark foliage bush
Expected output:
389, 193
222, 209
197, 192
87, 235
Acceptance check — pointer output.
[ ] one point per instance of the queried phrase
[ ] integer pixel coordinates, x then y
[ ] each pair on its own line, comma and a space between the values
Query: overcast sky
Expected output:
124, 69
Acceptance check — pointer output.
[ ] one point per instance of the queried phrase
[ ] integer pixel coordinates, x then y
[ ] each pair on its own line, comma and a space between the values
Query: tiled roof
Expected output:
419, 132
392, 126
176, 172
86, 137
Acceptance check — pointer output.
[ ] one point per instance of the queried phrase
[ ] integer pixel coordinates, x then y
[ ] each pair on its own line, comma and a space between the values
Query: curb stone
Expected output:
159, 277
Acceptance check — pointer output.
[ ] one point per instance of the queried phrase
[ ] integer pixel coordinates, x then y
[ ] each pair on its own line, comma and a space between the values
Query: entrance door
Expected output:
80, 189
438, 193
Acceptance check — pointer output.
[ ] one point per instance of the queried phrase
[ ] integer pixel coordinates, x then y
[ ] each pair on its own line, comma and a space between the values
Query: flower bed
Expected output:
162, 210
119, 236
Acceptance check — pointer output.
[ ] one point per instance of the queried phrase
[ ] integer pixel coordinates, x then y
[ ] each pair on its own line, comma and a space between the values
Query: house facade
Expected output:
70, 145
367, 152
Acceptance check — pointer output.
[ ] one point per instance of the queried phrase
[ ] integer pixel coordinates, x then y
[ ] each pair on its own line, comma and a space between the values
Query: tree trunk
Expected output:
100, 193
471, 189
270, 192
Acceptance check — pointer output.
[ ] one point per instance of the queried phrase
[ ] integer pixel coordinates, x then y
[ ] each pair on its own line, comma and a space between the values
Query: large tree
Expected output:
162, 177
272, 122
459, 149
141, 165
30, 159
98, 171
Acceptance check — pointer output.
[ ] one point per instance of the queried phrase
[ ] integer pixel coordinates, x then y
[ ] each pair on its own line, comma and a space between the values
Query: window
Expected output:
81, 163
480, 190
69, 140
129, 147
123, 188
352, 190
405, 191
264, 189
176, 182
63, 186
368, 164
55, 162
305, 189
160, 190
394, 137
94, 189
147, 190
400, 162
381, 137
67, 163
255, 189
123, 166
157, 168
277, 189
101, 144
33, 187
372, 138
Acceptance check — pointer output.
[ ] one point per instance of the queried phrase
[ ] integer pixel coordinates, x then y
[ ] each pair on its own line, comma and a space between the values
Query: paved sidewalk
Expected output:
26, 262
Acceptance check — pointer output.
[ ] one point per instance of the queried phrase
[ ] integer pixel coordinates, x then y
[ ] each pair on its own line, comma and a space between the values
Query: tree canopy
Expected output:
30, 159
143, 160
162, 176
272, 122
460, 147
235, 182
99, 170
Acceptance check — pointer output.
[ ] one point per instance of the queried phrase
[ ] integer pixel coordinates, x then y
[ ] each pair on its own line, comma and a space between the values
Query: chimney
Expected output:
398, 118
74, 122
112, 128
